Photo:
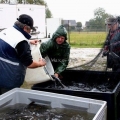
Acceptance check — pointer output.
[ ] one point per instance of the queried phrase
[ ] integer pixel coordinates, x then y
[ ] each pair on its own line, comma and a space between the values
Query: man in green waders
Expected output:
58, 50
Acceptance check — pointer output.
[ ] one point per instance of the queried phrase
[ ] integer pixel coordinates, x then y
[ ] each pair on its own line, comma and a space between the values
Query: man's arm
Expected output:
45, 47
63, 63
24, 54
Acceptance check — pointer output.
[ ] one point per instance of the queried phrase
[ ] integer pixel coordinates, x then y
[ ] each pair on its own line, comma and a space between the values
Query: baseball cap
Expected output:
26, 19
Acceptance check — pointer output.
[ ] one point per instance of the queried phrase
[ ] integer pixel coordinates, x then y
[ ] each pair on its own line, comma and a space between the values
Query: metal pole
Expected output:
69, 31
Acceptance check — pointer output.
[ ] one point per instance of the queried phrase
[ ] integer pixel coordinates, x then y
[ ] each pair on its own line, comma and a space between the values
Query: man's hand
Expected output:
36, 64
34, 42
56, 75
105, 51
42, 62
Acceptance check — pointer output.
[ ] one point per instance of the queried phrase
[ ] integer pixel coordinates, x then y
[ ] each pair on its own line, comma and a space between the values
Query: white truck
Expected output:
10, 12
52, 25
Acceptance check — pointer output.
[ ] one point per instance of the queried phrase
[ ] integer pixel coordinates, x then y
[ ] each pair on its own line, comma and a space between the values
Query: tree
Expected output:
99, 12
79, 26
98, 22
48, 12
100, 16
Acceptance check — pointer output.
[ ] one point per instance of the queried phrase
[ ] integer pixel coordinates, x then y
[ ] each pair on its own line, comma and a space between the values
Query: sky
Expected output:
81, 10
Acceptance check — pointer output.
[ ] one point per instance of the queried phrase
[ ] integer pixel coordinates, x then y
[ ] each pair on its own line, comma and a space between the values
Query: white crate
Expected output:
26, 96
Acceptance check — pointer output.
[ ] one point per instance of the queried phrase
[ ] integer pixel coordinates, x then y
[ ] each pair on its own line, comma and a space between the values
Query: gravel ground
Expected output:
80, 56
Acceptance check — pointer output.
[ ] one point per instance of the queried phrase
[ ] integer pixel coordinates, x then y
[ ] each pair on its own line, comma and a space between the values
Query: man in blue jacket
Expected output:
15, 53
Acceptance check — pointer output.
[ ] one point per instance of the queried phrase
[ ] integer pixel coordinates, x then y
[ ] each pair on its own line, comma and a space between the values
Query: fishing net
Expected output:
96, 63
99, 61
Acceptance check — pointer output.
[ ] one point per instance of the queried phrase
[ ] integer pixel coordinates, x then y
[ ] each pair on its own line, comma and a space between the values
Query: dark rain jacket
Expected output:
113, 58
12, 70
58, 54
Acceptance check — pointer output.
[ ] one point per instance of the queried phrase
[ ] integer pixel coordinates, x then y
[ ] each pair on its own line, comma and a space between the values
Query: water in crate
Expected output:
42, 112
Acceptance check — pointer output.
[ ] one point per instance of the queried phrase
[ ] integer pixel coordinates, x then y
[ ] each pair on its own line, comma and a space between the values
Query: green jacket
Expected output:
58, 54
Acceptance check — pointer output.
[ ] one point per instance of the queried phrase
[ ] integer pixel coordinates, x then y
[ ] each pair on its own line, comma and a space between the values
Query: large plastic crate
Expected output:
54, 100
112, 97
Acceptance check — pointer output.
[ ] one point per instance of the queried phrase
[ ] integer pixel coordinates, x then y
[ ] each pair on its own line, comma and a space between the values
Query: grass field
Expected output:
87, 39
